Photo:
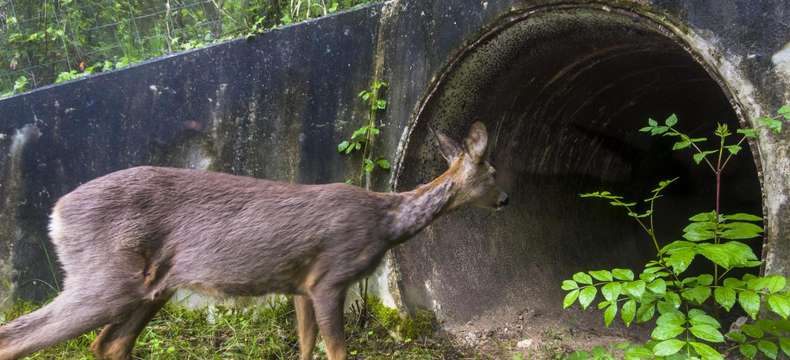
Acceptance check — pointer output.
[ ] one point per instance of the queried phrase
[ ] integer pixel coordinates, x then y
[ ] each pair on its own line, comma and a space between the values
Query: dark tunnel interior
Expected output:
563, 93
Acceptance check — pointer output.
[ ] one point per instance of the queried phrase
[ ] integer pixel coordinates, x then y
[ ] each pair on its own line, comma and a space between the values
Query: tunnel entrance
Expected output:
563, 92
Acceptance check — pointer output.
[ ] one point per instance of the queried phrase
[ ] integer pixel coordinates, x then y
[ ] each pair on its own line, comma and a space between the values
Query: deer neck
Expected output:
423, 205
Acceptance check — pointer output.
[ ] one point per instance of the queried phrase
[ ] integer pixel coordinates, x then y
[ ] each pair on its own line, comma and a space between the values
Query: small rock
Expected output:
471, 338
524, 344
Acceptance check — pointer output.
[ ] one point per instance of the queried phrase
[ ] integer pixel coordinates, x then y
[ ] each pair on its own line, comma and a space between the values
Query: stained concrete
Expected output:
563, 85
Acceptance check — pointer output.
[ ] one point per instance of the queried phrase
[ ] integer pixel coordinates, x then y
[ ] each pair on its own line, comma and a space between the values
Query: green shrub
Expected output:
683, 328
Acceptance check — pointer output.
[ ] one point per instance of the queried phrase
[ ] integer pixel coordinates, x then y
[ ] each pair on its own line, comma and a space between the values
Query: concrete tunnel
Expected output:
563, 92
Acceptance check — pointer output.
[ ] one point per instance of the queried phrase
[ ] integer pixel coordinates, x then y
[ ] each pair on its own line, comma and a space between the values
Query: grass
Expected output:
263, 332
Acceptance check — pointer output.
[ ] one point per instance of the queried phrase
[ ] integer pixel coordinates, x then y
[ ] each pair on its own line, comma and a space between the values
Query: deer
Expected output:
128, 240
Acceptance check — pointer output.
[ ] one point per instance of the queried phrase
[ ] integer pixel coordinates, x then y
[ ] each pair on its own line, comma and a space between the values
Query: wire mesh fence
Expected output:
50, 41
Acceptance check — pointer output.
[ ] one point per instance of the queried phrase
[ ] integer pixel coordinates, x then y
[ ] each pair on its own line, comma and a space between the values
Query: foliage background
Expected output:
50, 41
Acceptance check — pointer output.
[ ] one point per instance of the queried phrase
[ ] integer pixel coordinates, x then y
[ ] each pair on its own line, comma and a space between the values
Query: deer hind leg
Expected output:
70, 314
116, 340
328, 306
307, 327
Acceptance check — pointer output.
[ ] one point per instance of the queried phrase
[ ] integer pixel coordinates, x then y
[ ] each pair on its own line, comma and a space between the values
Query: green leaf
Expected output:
669, 304
736, 336
668, 347
570, 299
740, 230
705, 279
359, 133
582, 278
681, 145
350, 148
381, 104
740, 254
700, 226
652, 122
768, 348
750, 302
609, 314
742, 217
658, 286
748, 350
628, 312
698, 157
342, 146
611, 291
369, 165
680, 260
587, 296
672, 120
383, 163
780, 305
645, 312
569, 285
699, 317
774, 283
771, 123
697, 236
658, 130
725, 296
623, 274
635, 288
668, 331
602, 275
646, 129
733, 149
753, 331
716, 253
733, 283
638, 353
696, 294
677, 245
784, 343
705, 351
704, 216
784, 110
747, 132
707, 333
671, 318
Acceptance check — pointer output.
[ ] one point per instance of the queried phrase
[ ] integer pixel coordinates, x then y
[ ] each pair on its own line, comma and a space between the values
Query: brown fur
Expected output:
127, 240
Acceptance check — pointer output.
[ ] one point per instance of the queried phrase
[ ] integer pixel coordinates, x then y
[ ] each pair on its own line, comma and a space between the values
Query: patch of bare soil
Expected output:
541, 336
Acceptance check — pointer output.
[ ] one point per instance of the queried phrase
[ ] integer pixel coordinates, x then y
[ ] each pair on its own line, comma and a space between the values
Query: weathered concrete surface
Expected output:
563, 85
272, 107
566, 87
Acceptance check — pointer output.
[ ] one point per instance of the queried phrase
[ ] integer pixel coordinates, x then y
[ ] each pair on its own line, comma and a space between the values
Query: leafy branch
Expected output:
683, 329
363, 138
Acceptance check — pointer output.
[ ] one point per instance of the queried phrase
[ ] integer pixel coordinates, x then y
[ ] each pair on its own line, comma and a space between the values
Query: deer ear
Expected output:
449, 149
477, 141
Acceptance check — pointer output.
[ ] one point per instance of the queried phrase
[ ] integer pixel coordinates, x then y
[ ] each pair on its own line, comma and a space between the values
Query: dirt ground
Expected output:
541, 336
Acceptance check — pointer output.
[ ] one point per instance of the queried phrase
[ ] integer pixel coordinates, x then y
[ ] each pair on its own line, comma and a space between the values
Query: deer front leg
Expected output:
328, 306
305, 318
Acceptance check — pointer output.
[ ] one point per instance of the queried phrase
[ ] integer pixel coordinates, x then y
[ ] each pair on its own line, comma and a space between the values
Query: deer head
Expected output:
472, 175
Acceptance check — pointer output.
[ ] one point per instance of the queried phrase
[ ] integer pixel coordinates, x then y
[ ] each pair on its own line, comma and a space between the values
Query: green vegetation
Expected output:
51, 41
363, 138
262, 332
689, 309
